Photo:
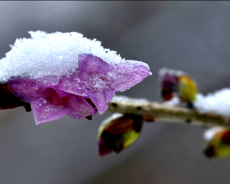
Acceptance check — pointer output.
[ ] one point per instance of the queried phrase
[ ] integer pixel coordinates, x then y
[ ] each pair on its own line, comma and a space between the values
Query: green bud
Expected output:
218, 142
118, 132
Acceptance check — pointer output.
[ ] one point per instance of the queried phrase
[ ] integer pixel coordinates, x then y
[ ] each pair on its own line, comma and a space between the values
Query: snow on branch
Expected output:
160, 112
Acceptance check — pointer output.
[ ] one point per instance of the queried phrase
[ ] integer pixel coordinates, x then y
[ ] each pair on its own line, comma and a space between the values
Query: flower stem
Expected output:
160, 112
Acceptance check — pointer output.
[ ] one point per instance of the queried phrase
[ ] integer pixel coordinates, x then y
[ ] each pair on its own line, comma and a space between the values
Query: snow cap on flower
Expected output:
118, 132
66, 73
46, 54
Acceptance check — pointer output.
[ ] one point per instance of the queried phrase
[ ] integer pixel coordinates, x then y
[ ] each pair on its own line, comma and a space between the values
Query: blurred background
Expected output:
190, 36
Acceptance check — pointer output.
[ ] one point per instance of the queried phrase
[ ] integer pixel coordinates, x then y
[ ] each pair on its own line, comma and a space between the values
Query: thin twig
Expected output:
153, 111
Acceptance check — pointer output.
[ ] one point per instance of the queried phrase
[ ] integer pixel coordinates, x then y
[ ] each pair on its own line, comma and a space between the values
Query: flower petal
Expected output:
71, 84
90, 65
128, 75
9, 100
45, 111
78, 108
28, 90
101, 99
103, 80
24, 88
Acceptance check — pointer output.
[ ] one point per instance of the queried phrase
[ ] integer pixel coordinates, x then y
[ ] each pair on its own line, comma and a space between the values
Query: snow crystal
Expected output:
175, 101
211, 132
125, 99
216, 103
170, 72
46, 54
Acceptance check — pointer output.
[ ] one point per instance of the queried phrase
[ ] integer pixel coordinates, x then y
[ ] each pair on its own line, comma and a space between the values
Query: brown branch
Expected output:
160, 112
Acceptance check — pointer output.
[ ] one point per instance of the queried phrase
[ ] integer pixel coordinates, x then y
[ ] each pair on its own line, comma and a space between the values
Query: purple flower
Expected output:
87, 90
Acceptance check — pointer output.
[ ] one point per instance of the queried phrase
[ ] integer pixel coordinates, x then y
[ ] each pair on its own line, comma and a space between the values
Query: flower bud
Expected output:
175, 83
218, 142
118, 132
